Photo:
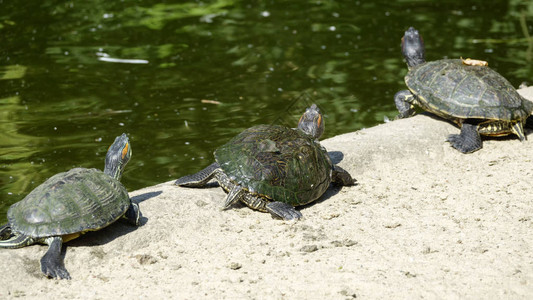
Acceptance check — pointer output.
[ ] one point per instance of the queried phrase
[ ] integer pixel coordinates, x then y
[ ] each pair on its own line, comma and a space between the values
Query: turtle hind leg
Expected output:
341, 177
468, 140
13, 241
283, 210
234, 195
199, 179
404, 103
5, 232
277, 209
51, 263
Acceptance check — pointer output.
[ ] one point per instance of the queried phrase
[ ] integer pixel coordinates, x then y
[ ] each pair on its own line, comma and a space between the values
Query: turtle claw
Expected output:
405, 115
468, 140
56, 271
458, 143
51, 263
283, 210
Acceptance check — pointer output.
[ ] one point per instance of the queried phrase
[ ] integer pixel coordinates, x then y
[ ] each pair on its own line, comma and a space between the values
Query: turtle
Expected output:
273, 168
478, 99
69, 204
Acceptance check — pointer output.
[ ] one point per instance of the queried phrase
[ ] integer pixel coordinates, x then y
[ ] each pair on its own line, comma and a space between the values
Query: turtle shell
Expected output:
277, 163
451, 89
70, 202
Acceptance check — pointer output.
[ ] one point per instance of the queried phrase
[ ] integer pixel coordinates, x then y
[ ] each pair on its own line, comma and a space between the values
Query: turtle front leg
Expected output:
51, 263
404, 103
133, 214
199, 179
468, 140
341, 177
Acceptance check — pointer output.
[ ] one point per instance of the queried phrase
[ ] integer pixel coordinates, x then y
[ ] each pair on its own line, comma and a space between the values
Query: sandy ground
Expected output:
424, 221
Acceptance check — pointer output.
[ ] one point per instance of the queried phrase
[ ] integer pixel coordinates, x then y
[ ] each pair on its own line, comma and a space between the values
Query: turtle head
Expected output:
413, 48
312, 122
117, 157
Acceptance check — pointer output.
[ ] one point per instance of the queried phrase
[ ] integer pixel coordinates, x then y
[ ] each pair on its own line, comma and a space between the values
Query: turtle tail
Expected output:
518, 129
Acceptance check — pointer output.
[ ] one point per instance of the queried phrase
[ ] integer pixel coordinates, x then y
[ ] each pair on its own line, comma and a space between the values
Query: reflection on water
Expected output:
181, 79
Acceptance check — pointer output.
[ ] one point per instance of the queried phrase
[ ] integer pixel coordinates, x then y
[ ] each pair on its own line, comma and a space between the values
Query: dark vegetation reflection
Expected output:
181, 79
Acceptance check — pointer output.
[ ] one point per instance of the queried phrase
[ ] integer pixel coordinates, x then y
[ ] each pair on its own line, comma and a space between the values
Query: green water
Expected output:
63, 97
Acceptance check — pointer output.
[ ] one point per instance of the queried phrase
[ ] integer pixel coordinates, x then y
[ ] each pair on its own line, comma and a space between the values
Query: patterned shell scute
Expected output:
280, 163
448, 87
74, 201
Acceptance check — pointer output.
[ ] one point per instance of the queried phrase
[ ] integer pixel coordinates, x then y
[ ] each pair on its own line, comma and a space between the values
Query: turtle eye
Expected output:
125, 150
319, 121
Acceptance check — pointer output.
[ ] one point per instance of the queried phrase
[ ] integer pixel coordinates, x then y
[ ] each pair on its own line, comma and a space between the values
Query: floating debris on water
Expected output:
211, 101
105, 57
